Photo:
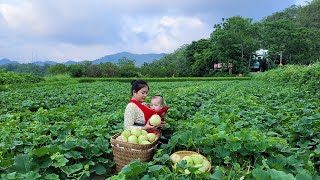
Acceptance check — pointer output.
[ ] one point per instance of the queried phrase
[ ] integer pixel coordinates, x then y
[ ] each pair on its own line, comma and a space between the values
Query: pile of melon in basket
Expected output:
137, 136
192, 159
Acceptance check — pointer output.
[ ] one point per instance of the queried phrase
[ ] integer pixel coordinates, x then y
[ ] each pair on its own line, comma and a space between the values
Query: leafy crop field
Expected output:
247, 129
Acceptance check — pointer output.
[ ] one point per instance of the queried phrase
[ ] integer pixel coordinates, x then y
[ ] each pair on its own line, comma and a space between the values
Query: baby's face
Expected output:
155, 105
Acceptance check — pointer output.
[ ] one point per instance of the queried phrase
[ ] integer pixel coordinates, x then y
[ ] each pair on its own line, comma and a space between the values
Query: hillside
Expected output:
139, 58
113, 58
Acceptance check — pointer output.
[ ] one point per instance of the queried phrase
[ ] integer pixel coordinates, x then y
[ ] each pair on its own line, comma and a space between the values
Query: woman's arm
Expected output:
130, 116
133, 115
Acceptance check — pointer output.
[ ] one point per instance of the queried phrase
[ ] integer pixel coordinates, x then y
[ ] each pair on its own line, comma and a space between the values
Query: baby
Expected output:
156, 103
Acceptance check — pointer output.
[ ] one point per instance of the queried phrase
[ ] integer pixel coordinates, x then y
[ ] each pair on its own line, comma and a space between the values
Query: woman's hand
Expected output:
148, 126
162, 125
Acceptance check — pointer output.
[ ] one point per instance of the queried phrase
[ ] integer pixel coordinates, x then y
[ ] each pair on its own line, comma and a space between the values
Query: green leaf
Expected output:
135, 168
103, 160
71, 169
32, 175
154, 168
5, 163
24, 164
233, 146
207, 150
44, 162
250, 146
41, 151
52, 177
173, 140
216, 120
95, 150
102, 143
277, 162
261, 145
303, 177
260, 174
186, 138
280, 175
84, 143
181, 166
10, 175
163, 159
221, 151
147, 177
60, 162
99, 169
73, 154
120, 176
17, 143
45, 150
317, 151
68, 145
218, 174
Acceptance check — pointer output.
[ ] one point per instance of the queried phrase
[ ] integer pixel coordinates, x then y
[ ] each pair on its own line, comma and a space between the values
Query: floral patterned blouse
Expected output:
133, 117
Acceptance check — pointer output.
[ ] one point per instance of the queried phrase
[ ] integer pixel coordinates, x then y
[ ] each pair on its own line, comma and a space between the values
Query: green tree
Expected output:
109, 69
165, 67
93, 70
57, 69
298, 45
203, 62
77, 70
31, 68
294, 32
180, 60
127, 68
234, 40
28, 68
309, 15
289, 14
194, 62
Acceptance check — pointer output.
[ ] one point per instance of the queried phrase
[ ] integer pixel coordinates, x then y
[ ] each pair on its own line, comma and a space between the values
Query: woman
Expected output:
136, 114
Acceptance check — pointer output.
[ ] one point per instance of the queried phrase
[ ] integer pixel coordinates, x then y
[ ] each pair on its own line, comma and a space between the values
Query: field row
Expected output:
246, 128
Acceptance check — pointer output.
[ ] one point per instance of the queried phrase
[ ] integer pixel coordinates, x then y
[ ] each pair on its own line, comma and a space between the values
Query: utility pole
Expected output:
280, 65
249, 62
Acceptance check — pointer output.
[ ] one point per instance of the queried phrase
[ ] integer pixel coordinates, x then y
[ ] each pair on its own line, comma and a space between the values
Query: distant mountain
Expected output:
139, 58
71, 62
42, 63
5, 61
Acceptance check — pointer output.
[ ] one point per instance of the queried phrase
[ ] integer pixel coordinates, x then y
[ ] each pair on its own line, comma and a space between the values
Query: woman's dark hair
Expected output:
136, 85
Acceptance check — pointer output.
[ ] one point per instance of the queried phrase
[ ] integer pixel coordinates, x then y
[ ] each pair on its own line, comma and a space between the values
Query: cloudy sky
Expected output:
63, 30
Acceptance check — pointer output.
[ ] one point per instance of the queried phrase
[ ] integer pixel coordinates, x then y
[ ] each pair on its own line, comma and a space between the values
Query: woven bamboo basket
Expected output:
188, 153
124, 152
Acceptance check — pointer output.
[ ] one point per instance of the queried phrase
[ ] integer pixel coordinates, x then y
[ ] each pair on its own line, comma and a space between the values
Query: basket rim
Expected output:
118, 143
187, 153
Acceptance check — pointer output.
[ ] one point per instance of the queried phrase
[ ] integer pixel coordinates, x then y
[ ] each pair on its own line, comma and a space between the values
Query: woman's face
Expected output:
141, 94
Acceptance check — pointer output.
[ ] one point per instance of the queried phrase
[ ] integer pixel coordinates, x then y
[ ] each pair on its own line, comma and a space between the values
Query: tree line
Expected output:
292, 35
